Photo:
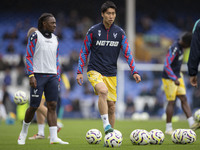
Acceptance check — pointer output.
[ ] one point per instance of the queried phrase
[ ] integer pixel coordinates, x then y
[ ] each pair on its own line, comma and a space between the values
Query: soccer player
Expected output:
173, 82
103, 42
43, 69
41, 112
194, 56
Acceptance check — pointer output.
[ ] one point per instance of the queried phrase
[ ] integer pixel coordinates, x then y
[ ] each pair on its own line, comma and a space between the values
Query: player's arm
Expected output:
194, 56
167, 65
30, 50
57, 63
129, 58
84, 52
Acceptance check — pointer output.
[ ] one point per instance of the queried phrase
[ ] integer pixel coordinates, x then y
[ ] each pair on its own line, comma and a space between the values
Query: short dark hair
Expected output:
106, 5
186, 38
43, 18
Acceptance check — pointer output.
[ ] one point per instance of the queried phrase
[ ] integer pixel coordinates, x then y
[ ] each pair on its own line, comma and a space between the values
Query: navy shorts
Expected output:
46, 83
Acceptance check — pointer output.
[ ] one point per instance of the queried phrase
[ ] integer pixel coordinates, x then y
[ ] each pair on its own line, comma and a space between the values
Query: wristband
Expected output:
32, 75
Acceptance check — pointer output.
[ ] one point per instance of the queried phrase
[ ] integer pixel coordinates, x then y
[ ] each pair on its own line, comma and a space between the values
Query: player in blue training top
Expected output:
173, 82
103, 42
43, 69
194, 57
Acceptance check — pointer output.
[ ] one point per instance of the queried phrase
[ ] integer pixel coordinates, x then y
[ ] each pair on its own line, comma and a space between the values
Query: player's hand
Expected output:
137, 78
177, 82
33, 82
193, 81
79, 79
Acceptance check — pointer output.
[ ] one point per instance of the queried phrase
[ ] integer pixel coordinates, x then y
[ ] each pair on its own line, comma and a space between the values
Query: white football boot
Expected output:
21, 139
58, 141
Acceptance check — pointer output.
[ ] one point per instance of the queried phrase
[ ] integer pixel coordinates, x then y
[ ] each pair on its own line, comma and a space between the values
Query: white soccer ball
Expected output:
197, 115
93, 136
176, 136
140, 137
20, 98
188, 136
118, 133
156, 136
183, 136
112, 139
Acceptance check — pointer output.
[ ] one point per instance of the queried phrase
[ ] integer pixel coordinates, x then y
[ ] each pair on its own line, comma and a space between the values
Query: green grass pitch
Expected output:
74, 132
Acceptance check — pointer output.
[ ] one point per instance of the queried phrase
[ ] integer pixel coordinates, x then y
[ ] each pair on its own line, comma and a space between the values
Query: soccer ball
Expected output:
112, 139
176, 136
118, 133
197, 115
183, 136
93, 136
20, 98
188, 136
156, 136
140, 137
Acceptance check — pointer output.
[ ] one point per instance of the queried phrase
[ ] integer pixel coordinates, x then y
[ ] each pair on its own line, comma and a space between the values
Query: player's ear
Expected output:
101, 14
44, 23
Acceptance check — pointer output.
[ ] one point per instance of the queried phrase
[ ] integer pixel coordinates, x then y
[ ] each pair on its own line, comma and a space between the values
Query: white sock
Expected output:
41, 129
169, 126
191, 121
53, 133
25, 127
105, 120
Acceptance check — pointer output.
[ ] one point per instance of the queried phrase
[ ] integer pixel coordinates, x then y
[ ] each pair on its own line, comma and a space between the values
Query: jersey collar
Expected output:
105, 27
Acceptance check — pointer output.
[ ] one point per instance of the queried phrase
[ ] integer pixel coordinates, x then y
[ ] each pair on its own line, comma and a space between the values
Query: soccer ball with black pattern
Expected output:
188, 136
197, 115
112, 139
93, 136
118, 132
176, 136
20, 98
183, 136
140, 137
156, 136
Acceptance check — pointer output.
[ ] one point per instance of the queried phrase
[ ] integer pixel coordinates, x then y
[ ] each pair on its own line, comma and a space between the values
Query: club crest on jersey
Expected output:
99, 32
115, 35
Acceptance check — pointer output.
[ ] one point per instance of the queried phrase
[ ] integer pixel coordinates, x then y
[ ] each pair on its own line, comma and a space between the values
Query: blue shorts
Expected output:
46, 83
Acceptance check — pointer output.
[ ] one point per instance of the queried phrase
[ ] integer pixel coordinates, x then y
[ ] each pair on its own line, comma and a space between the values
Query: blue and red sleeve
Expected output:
128, 54
57, 63
30, 50
85, 50
167, 66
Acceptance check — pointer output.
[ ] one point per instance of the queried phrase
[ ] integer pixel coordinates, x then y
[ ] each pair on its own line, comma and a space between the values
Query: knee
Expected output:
103, 92
51, 105
171, 103
183, 98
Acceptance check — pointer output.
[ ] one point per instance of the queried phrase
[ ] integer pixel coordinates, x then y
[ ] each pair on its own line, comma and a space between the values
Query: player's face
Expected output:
50, 24
109, 16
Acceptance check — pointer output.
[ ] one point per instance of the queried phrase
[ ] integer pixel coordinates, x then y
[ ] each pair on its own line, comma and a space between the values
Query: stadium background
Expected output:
157, 25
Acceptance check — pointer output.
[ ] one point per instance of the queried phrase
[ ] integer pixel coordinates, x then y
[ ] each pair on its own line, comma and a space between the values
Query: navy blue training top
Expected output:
194, 57
104, 46
173, 62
